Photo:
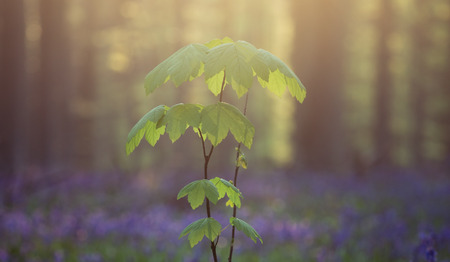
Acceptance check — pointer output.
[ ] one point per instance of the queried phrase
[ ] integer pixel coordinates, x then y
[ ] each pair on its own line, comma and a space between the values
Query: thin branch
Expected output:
217, 241
210, 151
207, 157
223, 229
236, 171
203, 143
223, 87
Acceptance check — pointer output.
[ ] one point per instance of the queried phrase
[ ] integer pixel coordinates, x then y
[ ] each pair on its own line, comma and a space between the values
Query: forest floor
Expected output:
389, 216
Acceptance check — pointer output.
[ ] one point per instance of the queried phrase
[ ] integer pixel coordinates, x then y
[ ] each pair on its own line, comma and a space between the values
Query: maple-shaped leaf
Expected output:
214, 122
276, 75
208, 227
179, 117
147, 126
226, 188
197, 191
216, 42
219, 119
184, 65
226, 62
232, 60
246, 228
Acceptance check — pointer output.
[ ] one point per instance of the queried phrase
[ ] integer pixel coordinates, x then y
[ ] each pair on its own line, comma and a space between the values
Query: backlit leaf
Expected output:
276, 75
238, 61
184, 65
244, 227
233, 59
147, 126
242, 161
216, 42
225, 187
179, 117
197, 190
215, 83
208, 227
218, 119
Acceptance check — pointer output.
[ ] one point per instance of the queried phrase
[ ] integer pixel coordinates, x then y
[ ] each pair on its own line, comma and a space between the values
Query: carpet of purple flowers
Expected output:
397, 216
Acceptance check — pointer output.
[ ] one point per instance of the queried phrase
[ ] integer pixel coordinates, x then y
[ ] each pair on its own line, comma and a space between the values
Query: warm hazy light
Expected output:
119, 41
129, 9
33, 32
359, 171
118, 61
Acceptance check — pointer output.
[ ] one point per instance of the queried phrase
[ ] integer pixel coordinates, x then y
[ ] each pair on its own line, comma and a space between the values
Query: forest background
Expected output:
359, 172
377, 75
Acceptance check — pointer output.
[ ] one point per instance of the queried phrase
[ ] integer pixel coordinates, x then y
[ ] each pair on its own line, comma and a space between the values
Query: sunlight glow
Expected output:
118, 61
33, 32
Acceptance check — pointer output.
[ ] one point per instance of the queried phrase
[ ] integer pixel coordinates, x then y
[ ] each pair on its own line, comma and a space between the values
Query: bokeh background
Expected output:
369, 145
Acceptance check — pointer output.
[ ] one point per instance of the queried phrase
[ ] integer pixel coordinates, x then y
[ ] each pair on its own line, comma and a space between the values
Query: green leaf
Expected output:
208, 227
184, 65
225, 187
147, 126
218, 119
216, 42
244, 227
179, 117
229, 203
238, 61
276, 75
197, 190
215, 83
242, 161
233, 59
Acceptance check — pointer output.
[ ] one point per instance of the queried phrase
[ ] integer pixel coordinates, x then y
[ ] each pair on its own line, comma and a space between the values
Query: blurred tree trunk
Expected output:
12, 75
179, 150
418, 81
446, 93
317, 57
86, 91
383, 85
13, 81
50, 136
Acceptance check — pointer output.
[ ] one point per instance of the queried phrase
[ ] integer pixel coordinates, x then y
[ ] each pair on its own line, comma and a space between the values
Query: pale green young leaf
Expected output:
229, 203
216, 42
277, 83
196, 192
208, 227
226, 188
242, 160
215, 83
153, 133
221, 189
146, 126
244, 227
233, 59
218, 119
179, 117
276, 75
234, 197
184, 65
296, 88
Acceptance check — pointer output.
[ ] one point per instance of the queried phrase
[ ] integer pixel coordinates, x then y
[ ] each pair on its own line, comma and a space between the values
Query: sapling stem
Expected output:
207, 157
223, 86
236, 171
